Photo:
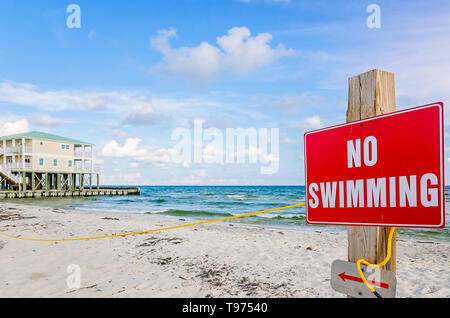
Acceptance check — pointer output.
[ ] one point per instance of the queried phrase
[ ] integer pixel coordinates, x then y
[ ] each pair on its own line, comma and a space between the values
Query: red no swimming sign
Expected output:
382, 171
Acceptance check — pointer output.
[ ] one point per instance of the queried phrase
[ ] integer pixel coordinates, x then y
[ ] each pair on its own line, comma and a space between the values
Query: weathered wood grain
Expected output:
370, 94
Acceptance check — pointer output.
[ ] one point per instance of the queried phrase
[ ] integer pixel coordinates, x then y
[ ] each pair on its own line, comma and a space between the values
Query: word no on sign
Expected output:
382, 171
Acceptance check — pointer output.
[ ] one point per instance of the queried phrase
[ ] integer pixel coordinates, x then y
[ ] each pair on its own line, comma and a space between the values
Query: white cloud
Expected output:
313, 122
14, 127
146, 118
195, 177
288, 140
291, 104
244, 53
46, 120
213, 153
201, 63
118, 133
237, 52
199, 172
133, 107
124, 179
185, 164
159, 157
256, 152
131, 149
134, 164
99, 161
56, 100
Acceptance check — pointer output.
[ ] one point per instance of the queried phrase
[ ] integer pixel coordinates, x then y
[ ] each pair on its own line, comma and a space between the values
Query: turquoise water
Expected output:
208, 202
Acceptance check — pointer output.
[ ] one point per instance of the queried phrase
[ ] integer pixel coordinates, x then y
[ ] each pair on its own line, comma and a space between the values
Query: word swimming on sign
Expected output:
374, 192
386, 170
352, 193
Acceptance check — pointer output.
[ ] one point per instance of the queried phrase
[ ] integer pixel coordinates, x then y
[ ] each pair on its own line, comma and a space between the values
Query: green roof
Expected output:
45, 136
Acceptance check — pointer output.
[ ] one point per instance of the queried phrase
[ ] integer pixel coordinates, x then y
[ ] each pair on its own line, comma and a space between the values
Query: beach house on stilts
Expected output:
37, 161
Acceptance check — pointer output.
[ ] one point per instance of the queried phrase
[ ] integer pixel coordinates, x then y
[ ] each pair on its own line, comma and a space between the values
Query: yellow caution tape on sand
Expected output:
155, 230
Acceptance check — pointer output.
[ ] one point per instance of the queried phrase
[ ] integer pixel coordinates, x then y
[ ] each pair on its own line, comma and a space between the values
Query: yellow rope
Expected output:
155, 230
384, 262
358, 263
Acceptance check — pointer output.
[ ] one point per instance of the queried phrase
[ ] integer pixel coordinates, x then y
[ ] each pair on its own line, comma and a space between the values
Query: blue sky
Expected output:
135, 71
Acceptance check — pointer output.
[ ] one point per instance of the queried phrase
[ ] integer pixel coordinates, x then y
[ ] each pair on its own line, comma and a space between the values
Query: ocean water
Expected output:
211, 202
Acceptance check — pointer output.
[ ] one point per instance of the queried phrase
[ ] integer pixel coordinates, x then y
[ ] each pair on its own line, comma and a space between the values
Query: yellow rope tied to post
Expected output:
384, 262
154, 230
358, 264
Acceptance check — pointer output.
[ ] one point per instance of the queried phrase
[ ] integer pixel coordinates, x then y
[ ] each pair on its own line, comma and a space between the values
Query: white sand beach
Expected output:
212, 260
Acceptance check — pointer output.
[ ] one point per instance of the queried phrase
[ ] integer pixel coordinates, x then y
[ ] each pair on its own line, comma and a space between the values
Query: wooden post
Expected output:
370, 94
24, 181
33, 181
58, 181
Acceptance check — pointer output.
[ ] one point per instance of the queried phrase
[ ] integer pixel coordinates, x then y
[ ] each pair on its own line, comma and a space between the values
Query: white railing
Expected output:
18, 179
16, 166
15, 150
87, 169
27, 150
7, 172
28, 166
12, 150
79, 154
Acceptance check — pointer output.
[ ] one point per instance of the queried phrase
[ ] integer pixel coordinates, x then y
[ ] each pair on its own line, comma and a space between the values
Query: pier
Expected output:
86, 192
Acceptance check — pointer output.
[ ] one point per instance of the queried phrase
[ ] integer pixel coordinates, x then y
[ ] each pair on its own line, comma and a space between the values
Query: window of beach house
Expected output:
70, 163
41, 162
55, 162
